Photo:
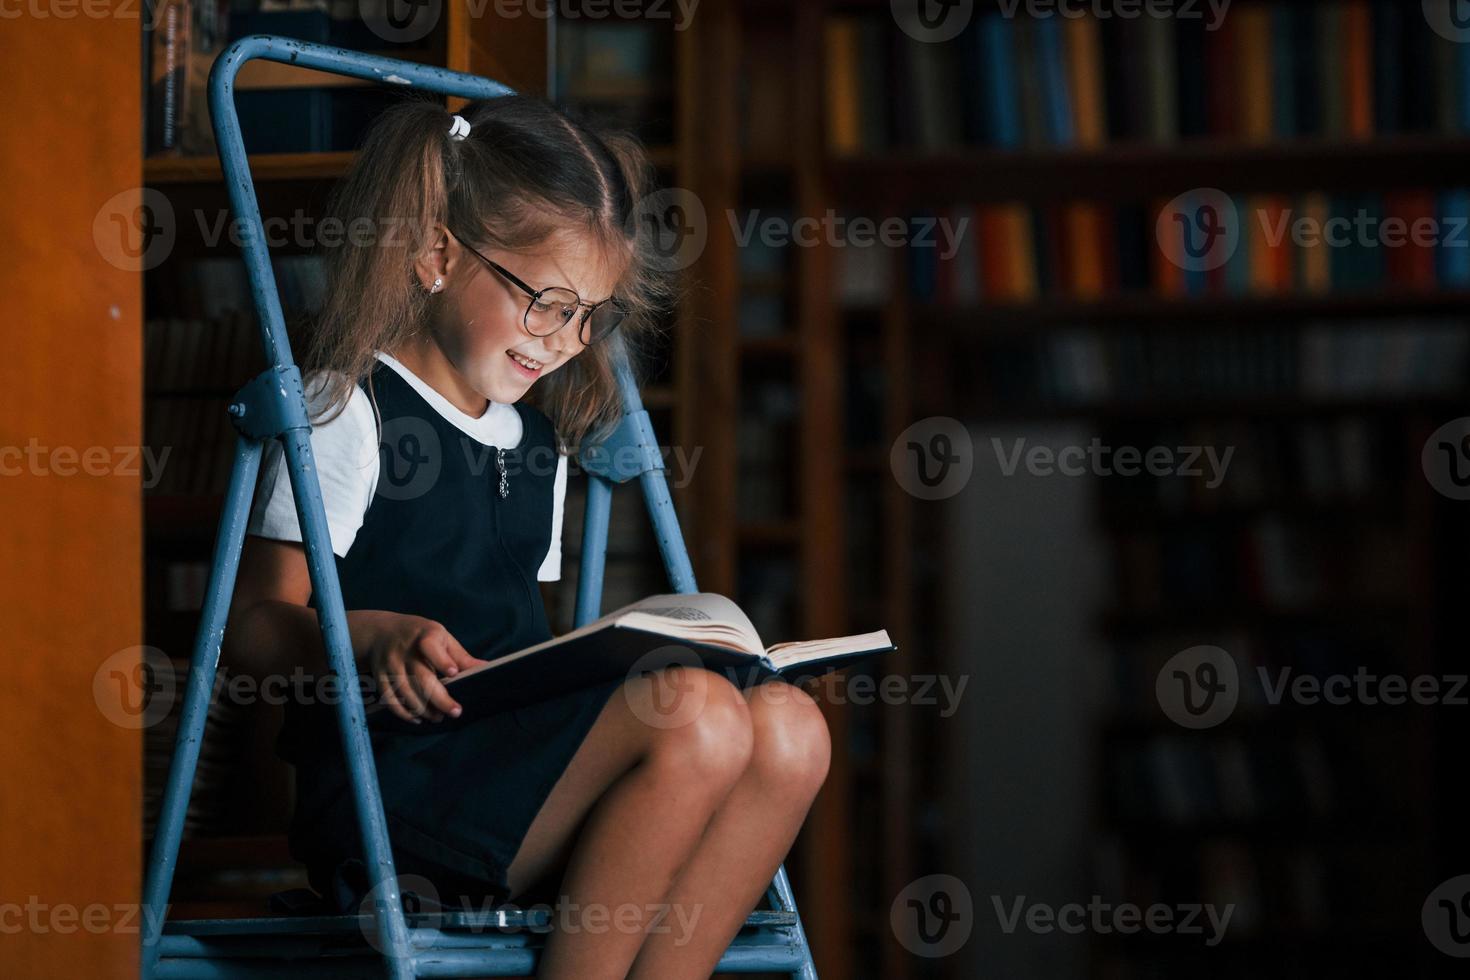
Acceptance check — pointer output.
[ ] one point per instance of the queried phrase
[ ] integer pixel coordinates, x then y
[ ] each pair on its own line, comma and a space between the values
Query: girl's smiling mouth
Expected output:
528, 367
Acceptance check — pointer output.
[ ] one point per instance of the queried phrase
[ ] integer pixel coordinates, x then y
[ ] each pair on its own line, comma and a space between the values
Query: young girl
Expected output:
504, 258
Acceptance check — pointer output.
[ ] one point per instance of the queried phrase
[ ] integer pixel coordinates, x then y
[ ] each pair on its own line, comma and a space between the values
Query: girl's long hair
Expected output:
527, 171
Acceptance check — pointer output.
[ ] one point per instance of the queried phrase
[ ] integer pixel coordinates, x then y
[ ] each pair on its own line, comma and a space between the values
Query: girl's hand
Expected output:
405, 655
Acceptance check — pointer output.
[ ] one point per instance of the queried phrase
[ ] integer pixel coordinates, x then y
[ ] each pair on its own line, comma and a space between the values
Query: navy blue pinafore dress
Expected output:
440, 541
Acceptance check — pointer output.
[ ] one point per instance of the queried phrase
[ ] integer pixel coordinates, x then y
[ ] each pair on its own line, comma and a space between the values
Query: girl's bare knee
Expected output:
696, 722
793, 747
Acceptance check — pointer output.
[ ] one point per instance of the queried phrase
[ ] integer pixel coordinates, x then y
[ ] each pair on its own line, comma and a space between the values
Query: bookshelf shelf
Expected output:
1254, 616
769, 534
1127, 172
263, 166
159, 171
1135, 309
776, 345
1261, 406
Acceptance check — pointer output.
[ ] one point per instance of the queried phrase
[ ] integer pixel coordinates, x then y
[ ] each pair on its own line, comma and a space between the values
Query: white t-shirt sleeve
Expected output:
346, 453
550, 570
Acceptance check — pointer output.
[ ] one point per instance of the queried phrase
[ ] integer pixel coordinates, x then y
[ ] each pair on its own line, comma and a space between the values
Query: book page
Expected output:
705, 617
802, 651
701, 617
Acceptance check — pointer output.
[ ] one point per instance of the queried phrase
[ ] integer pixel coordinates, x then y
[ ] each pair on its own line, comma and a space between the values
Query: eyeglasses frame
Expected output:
536, 294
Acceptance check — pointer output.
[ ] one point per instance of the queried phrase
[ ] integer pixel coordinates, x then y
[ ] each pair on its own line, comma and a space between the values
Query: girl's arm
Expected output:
273, 632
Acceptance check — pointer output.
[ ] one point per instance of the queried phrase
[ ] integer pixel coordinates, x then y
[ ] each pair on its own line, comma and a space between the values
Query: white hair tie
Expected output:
459, 129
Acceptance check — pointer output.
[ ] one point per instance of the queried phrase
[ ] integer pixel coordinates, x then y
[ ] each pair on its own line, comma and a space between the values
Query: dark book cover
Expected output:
594, 658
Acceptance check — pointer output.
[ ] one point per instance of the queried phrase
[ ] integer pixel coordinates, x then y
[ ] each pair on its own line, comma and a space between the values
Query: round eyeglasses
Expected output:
554, 307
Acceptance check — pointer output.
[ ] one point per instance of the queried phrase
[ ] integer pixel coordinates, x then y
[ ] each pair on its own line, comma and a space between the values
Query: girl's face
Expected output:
479, 315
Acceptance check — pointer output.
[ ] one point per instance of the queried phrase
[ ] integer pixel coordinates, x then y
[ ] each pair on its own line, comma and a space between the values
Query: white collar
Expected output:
499, 426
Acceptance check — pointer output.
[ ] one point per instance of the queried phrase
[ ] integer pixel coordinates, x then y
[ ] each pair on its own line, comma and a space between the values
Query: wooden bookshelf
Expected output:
944, 375
1116, 172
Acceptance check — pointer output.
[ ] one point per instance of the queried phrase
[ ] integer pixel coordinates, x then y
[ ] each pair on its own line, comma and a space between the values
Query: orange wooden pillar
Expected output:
70, 493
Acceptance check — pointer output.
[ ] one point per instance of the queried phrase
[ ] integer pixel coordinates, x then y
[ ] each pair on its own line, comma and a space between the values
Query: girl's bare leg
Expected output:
747, 839
629, 811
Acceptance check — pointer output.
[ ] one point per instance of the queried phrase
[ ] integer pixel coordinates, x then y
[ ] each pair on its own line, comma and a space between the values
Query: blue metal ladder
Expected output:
492, 942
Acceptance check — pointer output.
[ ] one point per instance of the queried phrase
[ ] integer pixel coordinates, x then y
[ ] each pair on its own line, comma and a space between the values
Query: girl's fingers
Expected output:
458, 653
432, 690
432, 648
390, 698
407, 696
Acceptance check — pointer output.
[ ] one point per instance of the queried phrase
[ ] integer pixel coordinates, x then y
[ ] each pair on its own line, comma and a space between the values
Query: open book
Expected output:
692, 628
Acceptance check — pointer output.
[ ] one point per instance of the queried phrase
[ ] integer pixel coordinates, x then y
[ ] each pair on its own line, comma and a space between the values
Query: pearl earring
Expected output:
438, 284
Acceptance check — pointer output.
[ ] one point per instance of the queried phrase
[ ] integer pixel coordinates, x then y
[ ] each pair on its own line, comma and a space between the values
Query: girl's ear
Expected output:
433, 262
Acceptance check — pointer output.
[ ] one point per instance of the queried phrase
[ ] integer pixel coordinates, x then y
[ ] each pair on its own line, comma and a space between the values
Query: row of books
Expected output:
194, 442
1343, 69
1317, 361
1229, 779
182, 38
1239, 245
1268, 565
1319, 651
618, 72
216, 286
221, 754
1294, 894
216, 355
1301, 464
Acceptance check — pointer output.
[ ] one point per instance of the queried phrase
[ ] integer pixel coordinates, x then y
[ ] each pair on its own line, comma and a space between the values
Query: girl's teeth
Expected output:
525, 362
